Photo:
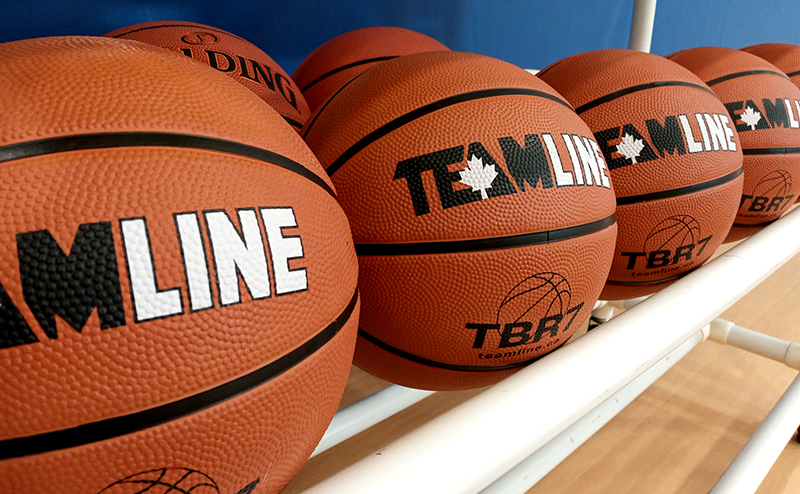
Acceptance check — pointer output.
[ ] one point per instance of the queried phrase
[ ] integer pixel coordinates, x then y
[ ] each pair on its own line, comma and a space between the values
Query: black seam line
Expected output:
523, 240
443, 365
743, 74
680, 191
133, 139
644, 283
753, 225
345, 67
206, 28
770, 151
633, 89
127, 424
318, 112
293, 123
548, 68
432, 107
792, 74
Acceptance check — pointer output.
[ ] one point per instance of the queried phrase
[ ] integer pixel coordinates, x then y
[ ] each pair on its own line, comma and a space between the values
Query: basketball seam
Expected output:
792, 74
754, 225
674, 235
409, 117
137, 421
293, 123
548, 68
484, 244
680, 191
644, 283
745, 73
318, 112
788, 150
345, 67
633, 89
207, 28
81, 142
442, 365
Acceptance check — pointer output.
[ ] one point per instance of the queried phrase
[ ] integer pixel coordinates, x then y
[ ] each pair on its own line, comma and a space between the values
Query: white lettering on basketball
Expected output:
573, 157
703, 131
601, 162
194, 261
282, 249
563, 178
793, 123
728, 132
590, 168
148, 301
238, 254
715, 132
693, 146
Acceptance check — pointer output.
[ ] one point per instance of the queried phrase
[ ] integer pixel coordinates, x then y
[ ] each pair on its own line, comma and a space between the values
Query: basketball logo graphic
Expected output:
672, 233
671, 248
178, 480
199, 38
776, 183
534, 318
771, 196
551, 291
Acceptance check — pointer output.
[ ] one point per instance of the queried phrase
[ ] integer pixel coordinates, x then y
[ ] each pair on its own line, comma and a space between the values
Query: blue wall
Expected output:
529, 33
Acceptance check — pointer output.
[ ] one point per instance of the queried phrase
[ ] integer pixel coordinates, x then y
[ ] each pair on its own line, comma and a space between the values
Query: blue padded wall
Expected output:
529, 33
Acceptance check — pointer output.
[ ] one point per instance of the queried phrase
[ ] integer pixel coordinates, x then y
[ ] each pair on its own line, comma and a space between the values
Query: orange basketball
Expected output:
230, 54
764, 106
675, 161
344, 57
483, 239
782, 55
178, 302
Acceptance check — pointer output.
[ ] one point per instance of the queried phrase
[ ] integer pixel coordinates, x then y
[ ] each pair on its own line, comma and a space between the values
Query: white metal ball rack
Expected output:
440, 457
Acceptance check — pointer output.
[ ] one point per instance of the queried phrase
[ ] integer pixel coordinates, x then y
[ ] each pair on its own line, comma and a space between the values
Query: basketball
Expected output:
177, 479
672, 233
178, 303
483, 236
674, 158
784, 56
229, 54
764, 106
344, 57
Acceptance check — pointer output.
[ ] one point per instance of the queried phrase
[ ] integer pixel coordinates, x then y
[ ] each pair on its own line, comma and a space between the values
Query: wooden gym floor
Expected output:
677, 437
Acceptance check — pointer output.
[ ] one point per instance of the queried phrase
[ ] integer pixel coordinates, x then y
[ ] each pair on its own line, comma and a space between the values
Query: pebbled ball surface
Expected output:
341, 59
78, 368
425, 310
629, 97
230, 54
743, 80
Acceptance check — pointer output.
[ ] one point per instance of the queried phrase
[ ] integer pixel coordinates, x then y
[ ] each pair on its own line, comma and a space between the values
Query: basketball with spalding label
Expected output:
229, 54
